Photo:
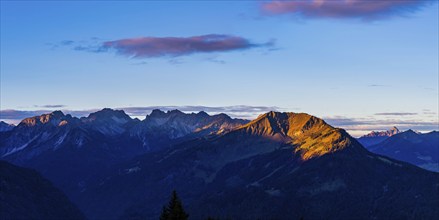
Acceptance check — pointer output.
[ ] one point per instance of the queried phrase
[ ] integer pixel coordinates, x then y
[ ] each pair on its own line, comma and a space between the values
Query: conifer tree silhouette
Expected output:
174, 210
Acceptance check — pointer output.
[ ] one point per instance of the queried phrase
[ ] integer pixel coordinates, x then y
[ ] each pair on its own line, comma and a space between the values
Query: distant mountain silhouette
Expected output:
165, 128
419, 149
25, 194
376, 137
35, 135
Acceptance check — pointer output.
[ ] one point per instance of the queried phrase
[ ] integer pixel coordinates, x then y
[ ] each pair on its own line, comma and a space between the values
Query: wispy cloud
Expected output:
428, 112
49, 106
396, 113
362, 9
215, 59
377, 85
179, 46
171, 47
67, 42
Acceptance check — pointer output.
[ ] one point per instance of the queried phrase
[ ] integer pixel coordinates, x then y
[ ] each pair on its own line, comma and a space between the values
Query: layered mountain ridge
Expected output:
72, 152
412, 147
280, 164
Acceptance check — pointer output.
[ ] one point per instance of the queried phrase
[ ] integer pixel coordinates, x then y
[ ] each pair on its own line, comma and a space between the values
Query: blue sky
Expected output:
365, 70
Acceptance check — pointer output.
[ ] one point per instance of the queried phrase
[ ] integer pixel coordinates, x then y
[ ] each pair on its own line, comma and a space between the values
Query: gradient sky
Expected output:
361, 67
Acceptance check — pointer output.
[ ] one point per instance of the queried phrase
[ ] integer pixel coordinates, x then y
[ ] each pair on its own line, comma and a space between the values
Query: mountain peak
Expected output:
270, 124
108, 111
5, 126
408, 134
109, 114
54, 118
3, 123
108, 121
202, 113
175, 112
157, 113
310, 136
392, 131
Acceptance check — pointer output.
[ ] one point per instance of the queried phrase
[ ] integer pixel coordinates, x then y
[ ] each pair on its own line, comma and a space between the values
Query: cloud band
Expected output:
364, 9
150, 47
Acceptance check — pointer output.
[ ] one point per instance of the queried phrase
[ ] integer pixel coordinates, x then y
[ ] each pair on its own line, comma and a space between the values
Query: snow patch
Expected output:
389, 162
60, 140
329, 186
119, 120
274, 192
255, 184
430, 166
80, 141
16, 149
428, 158
133, 170
268, 176
45, 135
160, 121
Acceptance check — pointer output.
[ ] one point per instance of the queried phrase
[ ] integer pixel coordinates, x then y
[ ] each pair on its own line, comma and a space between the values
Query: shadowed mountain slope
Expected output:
419, 149
5, 126
25, 194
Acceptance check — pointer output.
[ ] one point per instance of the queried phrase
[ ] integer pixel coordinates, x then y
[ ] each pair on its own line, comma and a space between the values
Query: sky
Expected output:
360, 65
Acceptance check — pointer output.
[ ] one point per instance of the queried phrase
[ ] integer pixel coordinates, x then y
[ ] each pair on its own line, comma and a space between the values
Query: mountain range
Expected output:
83, 148
376, 137
419, 149
278, 165
413, 147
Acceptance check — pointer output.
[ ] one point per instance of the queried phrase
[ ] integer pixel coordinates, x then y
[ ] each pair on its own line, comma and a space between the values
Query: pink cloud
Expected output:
178, 46
364, 9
